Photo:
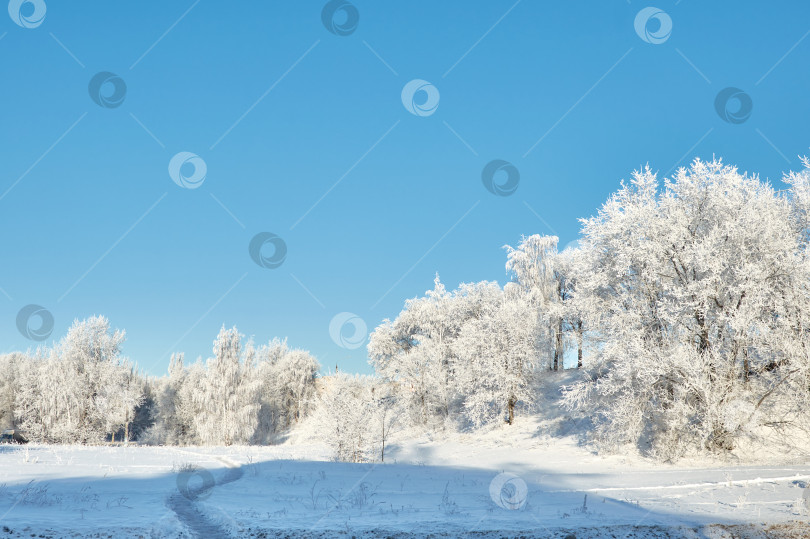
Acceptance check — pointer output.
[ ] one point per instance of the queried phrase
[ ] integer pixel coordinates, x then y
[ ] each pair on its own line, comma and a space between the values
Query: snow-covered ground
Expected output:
447, 487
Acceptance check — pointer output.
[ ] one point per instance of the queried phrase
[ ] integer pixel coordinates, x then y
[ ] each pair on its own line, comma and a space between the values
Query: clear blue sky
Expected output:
281, 111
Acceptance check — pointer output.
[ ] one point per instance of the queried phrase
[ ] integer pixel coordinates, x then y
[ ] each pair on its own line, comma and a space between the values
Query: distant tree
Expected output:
11, 366
287, 387
295, 375
545, 276
227, 400
121, 405
387, 412
188, 412
354, 416
80, 390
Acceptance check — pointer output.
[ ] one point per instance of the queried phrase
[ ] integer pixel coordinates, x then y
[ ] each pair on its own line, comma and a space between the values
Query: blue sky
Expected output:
304, 135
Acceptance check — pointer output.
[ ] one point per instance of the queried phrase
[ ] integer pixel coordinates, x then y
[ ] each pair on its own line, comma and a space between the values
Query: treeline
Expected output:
684, 308
83, 391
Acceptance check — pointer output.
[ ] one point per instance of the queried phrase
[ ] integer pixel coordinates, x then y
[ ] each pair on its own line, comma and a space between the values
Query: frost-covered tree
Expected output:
244, 394
187, 408
271, 416
121, 405
499, 349
295, 375
227, 399
387, 412
416, 350
572, 324
172, 417
78, 391
467, 353
355, 415
698, 298
545, 277
287, 392
11, 366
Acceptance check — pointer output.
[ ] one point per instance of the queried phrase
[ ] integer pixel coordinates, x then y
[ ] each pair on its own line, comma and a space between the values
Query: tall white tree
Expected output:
287, 378
11, 368
79, 391
698, 297
228, 399
545, 277
295, 375
499, 349
173, 423
416, 350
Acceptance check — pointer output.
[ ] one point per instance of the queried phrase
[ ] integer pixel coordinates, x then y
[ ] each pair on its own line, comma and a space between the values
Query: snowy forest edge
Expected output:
683, 311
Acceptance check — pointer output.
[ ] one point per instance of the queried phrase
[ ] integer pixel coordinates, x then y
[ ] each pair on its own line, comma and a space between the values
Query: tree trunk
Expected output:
746, 364
382, 451
703, 334
511, 408
558, 346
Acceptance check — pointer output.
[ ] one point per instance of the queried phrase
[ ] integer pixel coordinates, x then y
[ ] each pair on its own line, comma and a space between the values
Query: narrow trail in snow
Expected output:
190, 514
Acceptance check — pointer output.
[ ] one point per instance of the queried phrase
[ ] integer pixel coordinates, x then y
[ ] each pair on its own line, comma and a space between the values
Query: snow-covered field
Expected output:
451, 487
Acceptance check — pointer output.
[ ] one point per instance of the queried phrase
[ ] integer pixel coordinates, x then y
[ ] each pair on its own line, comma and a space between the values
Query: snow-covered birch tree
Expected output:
227, 399
78, 390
